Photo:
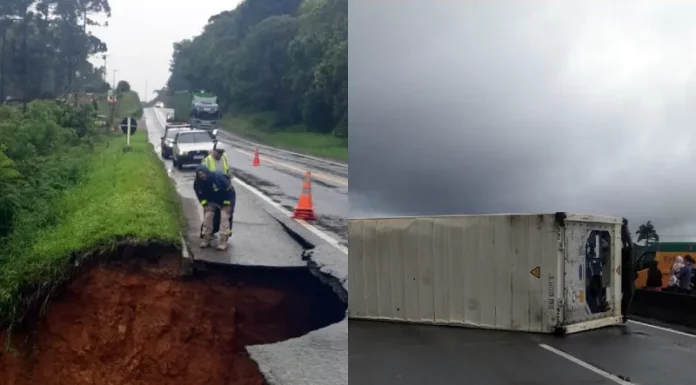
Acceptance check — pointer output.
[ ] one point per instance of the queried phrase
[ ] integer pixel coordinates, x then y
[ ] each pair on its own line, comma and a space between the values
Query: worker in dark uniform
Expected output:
215, 193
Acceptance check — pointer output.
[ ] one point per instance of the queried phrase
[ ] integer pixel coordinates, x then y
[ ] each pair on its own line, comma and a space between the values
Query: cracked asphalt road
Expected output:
319, 357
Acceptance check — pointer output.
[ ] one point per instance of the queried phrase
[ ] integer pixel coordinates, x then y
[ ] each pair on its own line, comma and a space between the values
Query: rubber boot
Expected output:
206, 242
222, 242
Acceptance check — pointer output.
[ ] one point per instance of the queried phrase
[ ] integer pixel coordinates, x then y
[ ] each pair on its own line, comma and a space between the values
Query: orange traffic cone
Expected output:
304, 209
257, 161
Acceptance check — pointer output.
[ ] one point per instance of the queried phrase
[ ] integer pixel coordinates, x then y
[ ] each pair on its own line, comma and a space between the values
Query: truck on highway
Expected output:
557, 273
205, 112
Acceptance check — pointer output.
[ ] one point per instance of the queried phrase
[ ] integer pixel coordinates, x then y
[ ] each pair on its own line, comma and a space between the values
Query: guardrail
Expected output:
672, 308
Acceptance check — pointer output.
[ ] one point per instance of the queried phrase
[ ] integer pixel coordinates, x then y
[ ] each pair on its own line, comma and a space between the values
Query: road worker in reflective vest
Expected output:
217, 162
215, 193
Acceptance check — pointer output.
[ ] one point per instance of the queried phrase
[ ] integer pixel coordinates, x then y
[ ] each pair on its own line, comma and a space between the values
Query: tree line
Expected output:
289, 57
44, 47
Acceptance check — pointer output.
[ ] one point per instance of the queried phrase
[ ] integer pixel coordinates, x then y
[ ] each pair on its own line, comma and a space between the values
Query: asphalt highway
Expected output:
402, 354
281, 174
259, 239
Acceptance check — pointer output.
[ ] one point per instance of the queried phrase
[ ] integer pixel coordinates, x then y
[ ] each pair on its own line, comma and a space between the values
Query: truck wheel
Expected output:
162, 153
174, 162
179, 166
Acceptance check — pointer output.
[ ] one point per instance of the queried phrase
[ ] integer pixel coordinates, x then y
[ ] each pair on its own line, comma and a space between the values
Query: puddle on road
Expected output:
137, 322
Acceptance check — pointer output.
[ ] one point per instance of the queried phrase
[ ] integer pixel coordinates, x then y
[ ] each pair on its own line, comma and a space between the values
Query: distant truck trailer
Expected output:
548, 273
205, 112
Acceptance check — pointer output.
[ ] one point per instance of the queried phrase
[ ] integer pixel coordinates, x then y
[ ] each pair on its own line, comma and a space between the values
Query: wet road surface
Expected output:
319, 357
257, 238
281, 174
392, 353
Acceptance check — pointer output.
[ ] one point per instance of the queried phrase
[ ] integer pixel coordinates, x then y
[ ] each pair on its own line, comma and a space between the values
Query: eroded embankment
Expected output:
136, 322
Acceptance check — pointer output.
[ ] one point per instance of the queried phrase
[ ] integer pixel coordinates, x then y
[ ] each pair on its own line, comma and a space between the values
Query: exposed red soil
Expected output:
139, 324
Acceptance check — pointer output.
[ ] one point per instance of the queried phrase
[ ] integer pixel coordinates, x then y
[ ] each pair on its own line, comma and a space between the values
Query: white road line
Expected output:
664, 329
324, 236
585, 365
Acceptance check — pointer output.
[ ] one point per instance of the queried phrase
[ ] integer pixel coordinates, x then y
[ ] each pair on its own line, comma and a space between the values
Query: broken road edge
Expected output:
299, 234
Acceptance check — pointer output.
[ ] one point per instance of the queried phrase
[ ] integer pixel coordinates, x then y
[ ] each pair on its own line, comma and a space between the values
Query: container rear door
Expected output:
590, 266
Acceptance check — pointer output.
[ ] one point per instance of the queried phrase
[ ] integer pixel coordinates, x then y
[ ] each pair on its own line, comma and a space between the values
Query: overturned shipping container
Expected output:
548, 273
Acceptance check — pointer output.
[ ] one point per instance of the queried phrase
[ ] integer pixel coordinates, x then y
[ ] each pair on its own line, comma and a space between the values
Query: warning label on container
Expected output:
536, 271
618, 270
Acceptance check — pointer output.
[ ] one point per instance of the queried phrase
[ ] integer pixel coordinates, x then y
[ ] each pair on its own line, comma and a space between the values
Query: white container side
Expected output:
491, 271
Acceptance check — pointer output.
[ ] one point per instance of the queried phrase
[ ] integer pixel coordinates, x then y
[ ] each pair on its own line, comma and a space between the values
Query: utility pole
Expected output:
113, 85
25, 73
105, 78
113, 101
145, 95
3, 28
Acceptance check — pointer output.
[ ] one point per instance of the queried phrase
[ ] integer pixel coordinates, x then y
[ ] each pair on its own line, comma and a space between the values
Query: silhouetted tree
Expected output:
647, 233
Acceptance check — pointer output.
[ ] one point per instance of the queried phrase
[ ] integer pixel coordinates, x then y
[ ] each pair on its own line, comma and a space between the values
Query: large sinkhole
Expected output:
135, 321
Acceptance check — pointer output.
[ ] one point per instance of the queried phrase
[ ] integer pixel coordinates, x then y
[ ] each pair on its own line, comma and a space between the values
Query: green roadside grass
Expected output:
259, 128
122, 196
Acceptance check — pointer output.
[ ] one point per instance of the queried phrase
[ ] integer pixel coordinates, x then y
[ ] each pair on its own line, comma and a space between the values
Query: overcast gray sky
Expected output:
141, 33
523, 106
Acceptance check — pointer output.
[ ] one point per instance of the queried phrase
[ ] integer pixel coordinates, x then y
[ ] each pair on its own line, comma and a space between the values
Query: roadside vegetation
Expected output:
44, 49
286, 61
68, 189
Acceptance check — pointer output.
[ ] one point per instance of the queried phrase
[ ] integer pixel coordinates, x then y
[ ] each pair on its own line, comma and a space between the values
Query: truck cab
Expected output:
205, 113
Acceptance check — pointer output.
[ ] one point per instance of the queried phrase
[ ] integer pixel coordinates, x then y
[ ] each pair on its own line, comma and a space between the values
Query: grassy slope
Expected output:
123, 195
258, 127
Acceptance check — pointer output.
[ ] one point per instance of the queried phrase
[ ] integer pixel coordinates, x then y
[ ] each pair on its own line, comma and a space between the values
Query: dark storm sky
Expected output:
524, 106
